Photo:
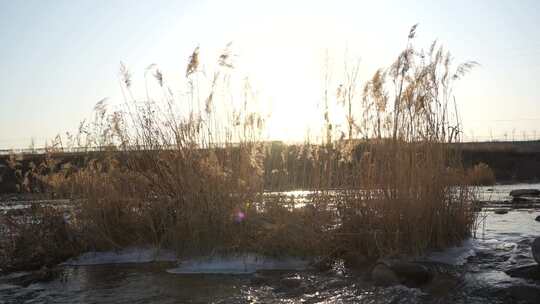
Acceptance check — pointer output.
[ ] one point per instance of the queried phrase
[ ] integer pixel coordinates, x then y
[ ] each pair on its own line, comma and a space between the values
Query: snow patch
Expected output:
238, 264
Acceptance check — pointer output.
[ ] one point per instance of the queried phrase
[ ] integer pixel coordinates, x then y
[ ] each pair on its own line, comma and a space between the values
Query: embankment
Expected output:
511, 162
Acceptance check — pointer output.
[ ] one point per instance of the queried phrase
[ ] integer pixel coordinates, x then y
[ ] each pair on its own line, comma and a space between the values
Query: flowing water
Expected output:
477, 272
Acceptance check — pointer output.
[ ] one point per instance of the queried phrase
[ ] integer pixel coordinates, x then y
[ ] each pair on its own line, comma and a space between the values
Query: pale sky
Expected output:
58, 58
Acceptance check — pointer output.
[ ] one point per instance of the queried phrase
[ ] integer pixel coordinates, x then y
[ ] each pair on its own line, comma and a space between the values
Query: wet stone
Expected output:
323, 265
537, 218
518, 258
336, 284
501, 211
525, 293
355, 261
525, 242
26, 278
290, 283
491, 259
408, 273
529, 272
536, 250
259, 279
441, 285
7, 287
412, 274
523, 192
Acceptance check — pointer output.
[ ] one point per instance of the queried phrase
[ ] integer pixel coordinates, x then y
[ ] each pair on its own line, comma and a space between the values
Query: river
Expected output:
502, 243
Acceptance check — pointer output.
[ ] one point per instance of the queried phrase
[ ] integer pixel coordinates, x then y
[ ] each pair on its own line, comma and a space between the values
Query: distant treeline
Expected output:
510, 161
288, 166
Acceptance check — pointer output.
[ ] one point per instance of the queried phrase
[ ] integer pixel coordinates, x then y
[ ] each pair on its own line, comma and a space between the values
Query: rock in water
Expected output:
530, 272
525, 192
259, 279
290, 283
355, 260
523, 293
524, 201
442, 284
537, 218
412, 274
383, 275
24, 279
501, 211
536, 250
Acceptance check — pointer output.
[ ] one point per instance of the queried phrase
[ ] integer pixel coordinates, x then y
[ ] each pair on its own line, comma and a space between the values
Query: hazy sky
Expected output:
58, 58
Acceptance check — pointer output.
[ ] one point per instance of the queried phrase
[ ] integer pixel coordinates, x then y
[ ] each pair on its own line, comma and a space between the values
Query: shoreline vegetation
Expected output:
404, 191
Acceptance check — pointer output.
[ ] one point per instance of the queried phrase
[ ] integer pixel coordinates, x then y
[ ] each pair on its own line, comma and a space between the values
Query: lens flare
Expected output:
239, 216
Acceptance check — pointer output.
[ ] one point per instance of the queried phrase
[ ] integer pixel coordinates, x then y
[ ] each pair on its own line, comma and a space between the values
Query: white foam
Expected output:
130, 255
238, 264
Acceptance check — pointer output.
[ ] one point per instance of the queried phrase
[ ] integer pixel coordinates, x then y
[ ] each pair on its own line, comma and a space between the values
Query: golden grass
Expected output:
196, 181
42, 238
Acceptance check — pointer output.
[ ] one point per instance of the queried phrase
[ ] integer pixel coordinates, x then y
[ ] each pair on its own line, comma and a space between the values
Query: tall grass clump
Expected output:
192, 171
409, 192
183, 172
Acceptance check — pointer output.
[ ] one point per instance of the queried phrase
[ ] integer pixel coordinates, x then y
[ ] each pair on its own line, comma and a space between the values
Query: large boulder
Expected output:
525, 192
536, 250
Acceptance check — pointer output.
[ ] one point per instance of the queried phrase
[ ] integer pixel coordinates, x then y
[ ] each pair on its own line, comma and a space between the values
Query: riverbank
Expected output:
475, 271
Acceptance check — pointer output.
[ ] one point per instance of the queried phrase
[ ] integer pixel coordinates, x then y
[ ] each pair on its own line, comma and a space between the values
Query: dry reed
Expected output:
196, 180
